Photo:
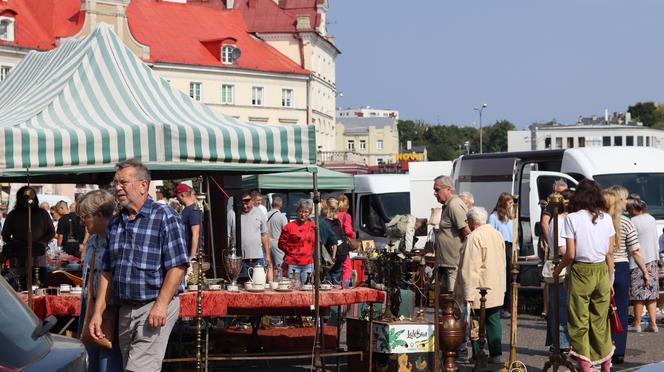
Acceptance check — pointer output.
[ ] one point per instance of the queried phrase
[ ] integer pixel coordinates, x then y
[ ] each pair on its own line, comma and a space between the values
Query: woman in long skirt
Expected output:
589, 236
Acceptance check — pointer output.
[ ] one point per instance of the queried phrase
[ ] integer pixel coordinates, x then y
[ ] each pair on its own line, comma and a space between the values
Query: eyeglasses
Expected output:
123, 183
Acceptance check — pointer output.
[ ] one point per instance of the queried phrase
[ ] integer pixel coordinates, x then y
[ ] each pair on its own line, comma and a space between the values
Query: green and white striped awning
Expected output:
90, 103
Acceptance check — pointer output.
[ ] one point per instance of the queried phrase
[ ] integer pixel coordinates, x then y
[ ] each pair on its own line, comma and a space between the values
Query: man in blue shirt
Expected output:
191, 216
144, 266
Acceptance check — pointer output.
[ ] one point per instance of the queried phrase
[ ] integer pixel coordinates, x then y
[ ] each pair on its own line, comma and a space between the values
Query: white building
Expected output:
551, 137
367, 112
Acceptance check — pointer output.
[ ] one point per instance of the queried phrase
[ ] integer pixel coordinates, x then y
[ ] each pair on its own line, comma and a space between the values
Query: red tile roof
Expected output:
180, 33
266, 16
39, 23
176, 33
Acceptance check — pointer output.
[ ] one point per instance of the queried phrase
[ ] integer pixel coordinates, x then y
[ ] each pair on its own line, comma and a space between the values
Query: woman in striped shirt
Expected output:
627, 245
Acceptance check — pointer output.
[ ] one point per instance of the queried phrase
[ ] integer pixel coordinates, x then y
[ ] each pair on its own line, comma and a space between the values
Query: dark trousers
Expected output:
621, 289
494, 333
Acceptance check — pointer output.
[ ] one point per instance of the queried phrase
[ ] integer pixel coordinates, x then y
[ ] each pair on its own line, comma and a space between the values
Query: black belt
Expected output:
134, 302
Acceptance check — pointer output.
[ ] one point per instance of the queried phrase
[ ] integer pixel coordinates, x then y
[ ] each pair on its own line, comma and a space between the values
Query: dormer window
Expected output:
229, 54
6, 28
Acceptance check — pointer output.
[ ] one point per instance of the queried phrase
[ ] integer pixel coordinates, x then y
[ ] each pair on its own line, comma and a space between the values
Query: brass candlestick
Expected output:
556, 357
514, 365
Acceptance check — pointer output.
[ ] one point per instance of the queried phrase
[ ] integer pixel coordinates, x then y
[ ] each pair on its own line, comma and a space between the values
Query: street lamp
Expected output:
479, 110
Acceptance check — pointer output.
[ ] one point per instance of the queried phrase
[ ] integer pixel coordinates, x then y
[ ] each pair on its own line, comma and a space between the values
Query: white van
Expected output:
531, 174
377, 198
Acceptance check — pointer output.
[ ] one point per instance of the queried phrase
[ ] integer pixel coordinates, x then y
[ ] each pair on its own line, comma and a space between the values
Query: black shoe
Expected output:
618, 360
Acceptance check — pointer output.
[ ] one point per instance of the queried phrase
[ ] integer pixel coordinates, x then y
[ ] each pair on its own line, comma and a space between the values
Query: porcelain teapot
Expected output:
257, 274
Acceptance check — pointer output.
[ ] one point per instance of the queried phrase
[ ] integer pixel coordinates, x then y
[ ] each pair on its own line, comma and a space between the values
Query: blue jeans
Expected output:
621, 288
99, 358
302, 270
562, 326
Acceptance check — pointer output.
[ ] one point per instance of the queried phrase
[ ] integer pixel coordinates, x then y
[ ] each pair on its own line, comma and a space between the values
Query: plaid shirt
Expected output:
142, 250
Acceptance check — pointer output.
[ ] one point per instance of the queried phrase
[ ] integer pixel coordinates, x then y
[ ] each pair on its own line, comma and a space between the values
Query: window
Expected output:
379, 145
547, 143
7, 28
227, 94
617, 141
363, 145
257, 96
227, 57
286, 98
629, 141
4, 71
606, 141
570, 142
351, 145
559, 142
195, 90
582, 141
639, 141
648, 141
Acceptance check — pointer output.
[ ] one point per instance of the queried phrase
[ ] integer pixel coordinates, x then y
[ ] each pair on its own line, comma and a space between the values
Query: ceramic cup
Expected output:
274, 285
249, 286
307, 287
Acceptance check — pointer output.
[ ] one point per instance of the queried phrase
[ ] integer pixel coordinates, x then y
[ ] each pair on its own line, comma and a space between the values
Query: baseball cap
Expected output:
182, 188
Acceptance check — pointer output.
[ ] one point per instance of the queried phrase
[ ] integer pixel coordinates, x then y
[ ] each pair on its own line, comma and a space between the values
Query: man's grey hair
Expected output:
445, 181
277, 202
478, 215
559, 182
142, 172
468, 196
306, 204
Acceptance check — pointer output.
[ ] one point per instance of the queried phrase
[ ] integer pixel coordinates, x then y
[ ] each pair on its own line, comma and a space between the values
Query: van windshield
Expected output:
379, 209
649, 186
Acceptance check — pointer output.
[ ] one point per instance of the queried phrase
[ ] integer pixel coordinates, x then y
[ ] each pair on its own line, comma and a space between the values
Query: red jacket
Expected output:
346, 223
297, 241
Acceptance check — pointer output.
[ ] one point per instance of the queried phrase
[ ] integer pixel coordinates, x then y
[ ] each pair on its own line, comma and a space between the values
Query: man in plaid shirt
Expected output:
144, 267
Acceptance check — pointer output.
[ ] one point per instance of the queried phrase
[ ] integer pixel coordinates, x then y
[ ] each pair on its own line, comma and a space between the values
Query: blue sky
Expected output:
527, 60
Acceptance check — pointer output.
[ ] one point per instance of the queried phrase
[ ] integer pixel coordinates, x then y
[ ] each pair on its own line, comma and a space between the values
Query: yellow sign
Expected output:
410, 156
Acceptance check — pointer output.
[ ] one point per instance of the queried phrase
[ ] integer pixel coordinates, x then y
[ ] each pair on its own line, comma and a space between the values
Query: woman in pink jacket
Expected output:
347, 225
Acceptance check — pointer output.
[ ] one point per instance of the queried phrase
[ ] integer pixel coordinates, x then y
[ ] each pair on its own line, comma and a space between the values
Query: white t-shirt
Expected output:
592, 239
646, 228
561, 240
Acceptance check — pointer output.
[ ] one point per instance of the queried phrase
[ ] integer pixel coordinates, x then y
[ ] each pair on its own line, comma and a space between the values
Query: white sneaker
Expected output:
636, 328
651, 328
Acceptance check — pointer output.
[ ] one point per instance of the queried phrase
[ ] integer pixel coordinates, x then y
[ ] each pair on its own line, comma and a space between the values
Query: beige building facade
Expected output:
375, 139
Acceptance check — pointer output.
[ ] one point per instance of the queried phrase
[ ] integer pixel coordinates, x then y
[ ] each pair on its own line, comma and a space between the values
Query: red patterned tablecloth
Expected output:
218, 303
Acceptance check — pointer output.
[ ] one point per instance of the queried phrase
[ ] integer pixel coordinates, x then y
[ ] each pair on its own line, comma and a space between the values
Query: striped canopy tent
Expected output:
87, 104
327, 180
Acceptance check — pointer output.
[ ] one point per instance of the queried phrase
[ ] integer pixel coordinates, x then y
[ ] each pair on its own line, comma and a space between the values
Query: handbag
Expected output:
109, 317
614, 319
547, 272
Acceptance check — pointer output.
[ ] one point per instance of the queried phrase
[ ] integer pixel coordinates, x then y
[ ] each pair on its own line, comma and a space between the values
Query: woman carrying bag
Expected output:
96, 209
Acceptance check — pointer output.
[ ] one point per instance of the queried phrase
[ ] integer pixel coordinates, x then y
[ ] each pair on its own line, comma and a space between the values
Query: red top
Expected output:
346, 223
297, 241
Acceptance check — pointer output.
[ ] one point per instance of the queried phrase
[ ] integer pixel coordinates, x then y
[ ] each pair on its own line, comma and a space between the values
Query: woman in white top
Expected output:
589, 236
644, 292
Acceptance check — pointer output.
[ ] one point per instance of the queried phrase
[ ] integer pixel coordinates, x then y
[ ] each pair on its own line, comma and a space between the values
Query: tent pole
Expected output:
318, 364
208, 211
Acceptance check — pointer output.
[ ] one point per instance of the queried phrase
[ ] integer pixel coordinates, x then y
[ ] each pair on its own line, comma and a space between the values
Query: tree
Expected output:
644, 112
495, 136
413, 131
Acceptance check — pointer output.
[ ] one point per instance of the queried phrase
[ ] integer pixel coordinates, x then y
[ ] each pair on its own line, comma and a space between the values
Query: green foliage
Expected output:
645, 112
447, 142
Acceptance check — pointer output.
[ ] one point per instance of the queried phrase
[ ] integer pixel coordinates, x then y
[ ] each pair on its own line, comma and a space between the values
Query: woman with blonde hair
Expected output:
340, 251
96, 208
627, 247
